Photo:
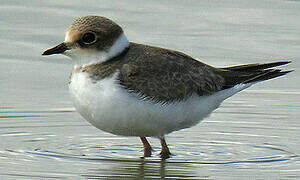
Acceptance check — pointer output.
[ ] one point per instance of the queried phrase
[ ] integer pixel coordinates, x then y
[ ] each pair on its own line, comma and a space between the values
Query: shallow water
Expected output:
254, 134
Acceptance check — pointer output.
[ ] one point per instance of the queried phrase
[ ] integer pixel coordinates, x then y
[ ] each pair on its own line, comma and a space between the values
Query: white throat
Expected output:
86, 56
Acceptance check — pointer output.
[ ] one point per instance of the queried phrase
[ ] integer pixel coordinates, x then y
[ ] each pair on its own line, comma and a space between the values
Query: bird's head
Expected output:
91, 39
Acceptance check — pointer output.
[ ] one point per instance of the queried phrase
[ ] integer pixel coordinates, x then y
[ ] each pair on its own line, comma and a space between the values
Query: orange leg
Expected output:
147, 147
165, 152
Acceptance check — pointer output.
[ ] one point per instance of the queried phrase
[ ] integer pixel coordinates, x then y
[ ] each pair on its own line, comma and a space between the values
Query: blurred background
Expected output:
253, 134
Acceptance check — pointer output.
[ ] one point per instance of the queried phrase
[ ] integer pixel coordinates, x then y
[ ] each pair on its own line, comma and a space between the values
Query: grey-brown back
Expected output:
165, 76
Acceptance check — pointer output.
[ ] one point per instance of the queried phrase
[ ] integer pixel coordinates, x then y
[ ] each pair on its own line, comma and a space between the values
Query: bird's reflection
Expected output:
143, 169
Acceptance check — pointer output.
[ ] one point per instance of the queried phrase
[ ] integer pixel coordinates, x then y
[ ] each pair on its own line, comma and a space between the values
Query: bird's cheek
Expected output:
78, 54
74, 53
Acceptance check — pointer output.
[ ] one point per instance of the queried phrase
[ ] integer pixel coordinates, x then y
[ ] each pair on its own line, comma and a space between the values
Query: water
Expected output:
253, 135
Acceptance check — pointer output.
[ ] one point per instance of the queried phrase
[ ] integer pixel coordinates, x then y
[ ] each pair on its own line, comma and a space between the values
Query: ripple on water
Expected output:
98, 156
100, 162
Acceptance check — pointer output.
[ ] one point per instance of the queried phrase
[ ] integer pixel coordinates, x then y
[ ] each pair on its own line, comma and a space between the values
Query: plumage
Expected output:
165, 76
133, 89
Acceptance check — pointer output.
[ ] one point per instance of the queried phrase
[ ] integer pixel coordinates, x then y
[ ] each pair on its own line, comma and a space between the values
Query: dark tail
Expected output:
255, 67
252, 73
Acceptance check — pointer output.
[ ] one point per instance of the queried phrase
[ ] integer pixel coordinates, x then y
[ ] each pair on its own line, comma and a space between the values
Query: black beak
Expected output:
59, 49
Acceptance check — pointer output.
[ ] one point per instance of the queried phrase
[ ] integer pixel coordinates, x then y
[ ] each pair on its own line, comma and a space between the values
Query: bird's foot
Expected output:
148, 152
165, 154
147, 147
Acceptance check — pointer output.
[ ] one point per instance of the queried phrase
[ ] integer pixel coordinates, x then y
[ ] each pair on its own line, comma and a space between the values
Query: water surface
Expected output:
254, 134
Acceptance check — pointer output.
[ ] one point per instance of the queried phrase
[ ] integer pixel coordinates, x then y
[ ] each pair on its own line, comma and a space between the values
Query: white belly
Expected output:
111, 108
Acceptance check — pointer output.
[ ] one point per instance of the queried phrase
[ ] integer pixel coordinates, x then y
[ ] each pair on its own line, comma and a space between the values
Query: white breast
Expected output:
111, 108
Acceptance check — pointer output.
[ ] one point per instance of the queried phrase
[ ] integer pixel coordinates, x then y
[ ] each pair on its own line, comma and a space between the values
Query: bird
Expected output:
131, 89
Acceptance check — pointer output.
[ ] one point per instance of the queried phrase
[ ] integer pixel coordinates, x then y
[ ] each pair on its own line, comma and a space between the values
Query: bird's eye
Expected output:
89, 38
